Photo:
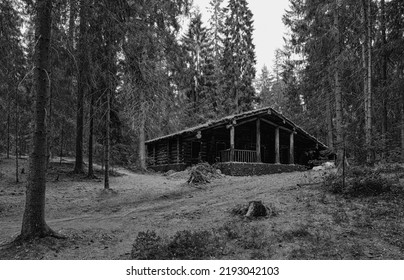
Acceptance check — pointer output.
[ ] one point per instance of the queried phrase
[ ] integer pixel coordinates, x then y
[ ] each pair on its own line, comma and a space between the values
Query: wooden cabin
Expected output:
261, 136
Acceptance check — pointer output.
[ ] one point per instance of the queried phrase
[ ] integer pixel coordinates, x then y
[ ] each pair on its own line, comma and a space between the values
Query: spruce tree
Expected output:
200, 68
216, 33
238, 58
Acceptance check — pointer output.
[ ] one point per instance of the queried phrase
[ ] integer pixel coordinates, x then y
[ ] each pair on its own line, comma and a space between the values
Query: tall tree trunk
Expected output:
367, 65
364, 65
82, 88
384, 79
17, 117
330, 137
49, 124
142, 137
72, 18
90, 173
33, 223
369, 96
61, 144
338, 91
8, 122
107, 140
402, 128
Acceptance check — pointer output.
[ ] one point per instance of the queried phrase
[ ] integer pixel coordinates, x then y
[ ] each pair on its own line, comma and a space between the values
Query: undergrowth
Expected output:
359, 182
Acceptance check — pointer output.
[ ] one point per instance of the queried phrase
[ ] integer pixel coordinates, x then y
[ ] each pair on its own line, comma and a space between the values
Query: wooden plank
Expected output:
276, 125
277, 151
292, 148
246, 121
258, 144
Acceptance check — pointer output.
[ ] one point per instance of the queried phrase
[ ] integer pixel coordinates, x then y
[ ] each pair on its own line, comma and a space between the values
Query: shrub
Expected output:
368, 185
183, 245
148, 246
358, 182
333, 183
193, 245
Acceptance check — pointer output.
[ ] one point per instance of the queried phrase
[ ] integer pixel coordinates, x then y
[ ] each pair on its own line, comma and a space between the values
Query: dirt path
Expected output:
142, 202
103, 225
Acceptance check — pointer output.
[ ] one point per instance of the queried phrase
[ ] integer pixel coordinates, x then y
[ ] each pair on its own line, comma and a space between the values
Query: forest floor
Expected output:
310, 222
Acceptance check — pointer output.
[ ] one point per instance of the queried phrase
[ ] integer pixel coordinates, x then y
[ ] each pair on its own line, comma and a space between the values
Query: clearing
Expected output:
310, 223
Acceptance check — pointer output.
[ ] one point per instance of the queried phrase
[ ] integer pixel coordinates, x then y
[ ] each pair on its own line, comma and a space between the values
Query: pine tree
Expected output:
238, 60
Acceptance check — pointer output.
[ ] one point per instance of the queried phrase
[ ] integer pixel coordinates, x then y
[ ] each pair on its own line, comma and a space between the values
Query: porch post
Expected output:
178, 149
232, 143
277, 156
292, 148
258, 144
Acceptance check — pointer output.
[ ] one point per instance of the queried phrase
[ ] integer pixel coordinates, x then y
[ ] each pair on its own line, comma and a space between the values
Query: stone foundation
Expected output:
249, 169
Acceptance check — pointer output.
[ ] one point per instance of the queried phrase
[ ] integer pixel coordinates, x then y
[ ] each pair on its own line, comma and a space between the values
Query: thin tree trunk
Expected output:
90, 140
61, 144
17, 116
330, 136
33, 223
142, 137
367, 75
72, 18
338, 91
82, 88
384, 80
8, 123
49, 124
369, 140
402, 128
107, 139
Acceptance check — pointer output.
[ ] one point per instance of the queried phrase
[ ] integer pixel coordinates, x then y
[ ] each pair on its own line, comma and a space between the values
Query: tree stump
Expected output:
256, 209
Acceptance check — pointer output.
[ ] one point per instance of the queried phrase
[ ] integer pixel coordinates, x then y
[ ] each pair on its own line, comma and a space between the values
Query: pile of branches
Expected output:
202, 173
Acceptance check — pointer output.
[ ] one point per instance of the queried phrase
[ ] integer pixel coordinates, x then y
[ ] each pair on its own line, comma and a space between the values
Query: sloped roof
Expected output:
226, 120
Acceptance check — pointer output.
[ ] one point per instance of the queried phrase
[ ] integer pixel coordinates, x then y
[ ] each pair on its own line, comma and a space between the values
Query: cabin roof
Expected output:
276, 117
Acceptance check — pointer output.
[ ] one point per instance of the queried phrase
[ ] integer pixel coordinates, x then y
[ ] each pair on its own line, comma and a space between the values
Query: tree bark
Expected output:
402, 128
90, 172
8, 123
72, 18
330, 137
49, 123
367, 75
384, 79
17, 117
338, 91
61, 144
82, 88
369, 119
107, 140
33, 223
142, 137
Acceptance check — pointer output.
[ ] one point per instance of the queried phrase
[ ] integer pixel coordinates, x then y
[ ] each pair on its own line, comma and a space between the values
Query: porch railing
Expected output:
238, 155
